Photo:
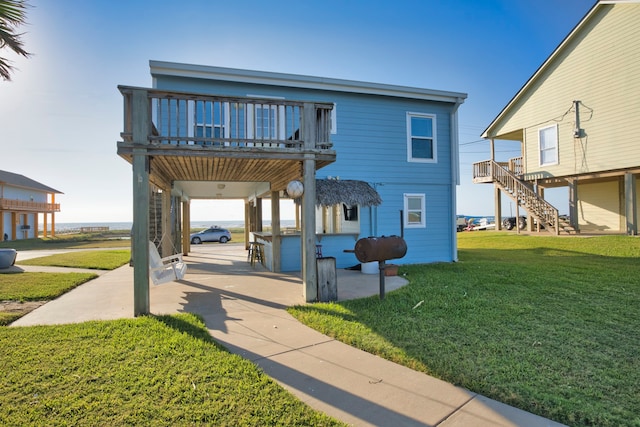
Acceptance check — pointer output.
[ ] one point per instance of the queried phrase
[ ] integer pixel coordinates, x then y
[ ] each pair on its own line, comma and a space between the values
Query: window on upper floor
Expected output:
414, 211
421, 139
548, 143
210, 118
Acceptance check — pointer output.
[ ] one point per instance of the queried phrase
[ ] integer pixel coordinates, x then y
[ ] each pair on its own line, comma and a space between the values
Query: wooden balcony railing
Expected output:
516, 166
28, 206
186, 119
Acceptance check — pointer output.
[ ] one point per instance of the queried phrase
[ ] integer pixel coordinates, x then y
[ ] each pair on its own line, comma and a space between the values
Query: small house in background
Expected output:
576, 120
23, 202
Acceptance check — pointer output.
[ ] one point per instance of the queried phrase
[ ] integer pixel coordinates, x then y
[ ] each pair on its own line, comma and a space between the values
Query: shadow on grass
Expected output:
547, 329
196, 330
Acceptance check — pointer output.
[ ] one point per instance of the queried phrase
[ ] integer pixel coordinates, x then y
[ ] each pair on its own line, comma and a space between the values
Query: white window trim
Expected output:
554, 126
410, 158
278, 125
334, 119
423, 217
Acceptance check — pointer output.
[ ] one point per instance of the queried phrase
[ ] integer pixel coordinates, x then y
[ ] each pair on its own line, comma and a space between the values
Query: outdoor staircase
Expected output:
565, 226
543, 212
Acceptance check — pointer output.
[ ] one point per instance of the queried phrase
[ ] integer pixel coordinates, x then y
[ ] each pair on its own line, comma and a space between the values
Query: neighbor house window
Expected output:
414, 211
421, 139
548, 138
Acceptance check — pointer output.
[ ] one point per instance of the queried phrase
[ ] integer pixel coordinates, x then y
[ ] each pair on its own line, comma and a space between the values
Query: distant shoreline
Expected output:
126, 225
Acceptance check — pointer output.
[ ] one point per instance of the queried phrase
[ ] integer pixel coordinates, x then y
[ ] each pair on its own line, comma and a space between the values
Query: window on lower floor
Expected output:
337, 219
548, 141
414, 211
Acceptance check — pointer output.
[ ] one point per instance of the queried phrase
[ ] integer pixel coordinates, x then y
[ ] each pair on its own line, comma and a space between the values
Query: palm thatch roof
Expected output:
351, 192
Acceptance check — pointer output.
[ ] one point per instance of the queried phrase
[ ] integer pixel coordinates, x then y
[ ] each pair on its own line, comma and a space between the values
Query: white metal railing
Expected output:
182, 119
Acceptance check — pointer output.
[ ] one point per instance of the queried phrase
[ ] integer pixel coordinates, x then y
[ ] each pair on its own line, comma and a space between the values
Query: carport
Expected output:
174, 161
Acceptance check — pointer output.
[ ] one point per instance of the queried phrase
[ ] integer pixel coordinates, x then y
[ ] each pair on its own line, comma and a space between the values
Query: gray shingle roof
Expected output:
17, 180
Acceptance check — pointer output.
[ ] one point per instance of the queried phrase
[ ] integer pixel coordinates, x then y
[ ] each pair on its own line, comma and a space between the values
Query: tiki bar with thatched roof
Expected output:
339, 206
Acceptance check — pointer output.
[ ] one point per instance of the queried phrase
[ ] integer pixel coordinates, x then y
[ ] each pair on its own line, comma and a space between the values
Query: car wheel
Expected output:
196, 241
522, 223
223, 239
507, 224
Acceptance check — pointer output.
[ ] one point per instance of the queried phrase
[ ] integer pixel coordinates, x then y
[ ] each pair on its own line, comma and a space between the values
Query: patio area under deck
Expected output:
174, 139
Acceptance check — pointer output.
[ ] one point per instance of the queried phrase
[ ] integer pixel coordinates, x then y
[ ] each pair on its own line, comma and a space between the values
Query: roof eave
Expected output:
487, 132
160, 68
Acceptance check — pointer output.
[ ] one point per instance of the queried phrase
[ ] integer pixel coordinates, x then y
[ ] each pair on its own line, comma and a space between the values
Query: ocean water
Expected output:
239, 223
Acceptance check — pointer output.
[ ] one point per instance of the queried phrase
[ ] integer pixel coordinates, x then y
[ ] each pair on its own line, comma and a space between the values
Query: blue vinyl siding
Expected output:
371, 145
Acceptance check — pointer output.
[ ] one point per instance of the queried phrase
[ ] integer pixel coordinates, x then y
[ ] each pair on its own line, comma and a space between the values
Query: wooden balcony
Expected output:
482, 171
197, 137
28, 206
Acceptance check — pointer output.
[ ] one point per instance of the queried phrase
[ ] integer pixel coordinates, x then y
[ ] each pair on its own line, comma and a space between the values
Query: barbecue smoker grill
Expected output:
380, 249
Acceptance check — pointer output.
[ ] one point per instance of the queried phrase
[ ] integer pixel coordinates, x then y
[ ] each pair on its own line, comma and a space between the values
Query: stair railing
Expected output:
535, 205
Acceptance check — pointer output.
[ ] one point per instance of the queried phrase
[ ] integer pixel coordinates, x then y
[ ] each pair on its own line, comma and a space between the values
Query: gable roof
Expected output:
576, 32
17, 180
160, 68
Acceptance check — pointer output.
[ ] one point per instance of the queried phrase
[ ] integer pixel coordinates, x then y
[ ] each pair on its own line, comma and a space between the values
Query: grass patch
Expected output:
152, 371
546, 324
39, 286
23, 287
8, 317
98, 260
71, 241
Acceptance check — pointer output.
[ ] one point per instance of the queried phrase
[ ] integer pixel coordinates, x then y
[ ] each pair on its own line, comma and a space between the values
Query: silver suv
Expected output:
213, 234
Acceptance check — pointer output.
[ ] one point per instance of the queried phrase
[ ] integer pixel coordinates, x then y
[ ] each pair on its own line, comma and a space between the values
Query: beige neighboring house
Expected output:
22, 201
578, 122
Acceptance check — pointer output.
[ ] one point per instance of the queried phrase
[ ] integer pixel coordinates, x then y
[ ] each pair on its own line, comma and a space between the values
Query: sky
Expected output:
61, 115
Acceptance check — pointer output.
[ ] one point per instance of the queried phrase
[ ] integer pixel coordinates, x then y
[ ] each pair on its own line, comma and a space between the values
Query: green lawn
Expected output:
39, 286
148, 371
27, 286
547, 324
67, 241
21, 287
96, 259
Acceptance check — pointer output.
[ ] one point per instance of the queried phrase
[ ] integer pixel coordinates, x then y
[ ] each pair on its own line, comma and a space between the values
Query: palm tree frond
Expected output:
13, 12
12, 15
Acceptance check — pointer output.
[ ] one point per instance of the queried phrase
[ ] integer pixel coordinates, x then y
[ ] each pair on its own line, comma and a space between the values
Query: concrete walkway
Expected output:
245, 310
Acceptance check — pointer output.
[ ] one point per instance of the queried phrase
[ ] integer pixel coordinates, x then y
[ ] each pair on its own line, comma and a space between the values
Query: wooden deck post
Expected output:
186, 228
53, 216
140, 255
497, 206
247, 224
166, 243
44, 225
258, 211
631, 204
308, 232
275, 232
573, 203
